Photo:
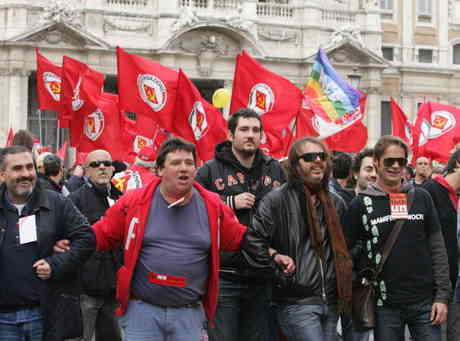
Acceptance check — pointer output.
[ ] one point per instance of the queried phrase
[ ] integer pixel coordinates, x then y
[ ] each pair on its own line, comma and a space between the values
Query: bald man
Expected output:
98, 274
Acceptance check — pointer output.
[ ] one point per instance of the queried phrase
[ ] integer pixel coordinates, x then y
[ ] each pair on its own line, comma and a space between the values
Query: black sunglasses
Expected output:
310, 157
95, 164
390, 161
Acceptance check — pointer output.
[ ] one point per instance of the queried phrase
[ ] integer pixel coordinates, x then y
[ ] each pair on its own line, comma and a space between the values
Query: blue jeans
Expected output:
390, 323
308, 322
23, 325
147, 322
242, 312
349, 333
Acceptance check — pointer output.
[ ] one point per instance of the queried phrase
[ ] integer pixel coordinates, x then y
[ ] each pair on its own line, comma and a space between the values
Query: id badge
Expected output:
398, 206
27, 229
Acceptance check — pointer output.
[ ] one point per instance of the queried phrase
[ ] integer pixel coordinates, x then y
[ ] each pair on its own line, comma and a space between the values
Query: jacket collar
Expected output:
37, 199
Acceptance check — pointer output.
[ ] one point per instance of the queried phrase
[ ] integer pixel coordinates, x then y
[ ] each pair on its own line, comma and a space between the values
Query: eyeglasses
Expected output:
310, 157
390, 161
96, 164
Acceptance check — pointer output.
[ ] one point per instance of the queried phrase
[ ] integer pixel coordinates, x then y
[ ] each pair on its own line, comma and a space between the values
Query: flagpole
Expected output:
40, 135
57, 135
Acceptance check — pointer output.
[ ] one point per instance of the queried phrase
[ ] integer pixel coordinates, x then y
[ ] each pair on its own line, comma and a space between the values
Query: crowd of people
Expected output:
245, 247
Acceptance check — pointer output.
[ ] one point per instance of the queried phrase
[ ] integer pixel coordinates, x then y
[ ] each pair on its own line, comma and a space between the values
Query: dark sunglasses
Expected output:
390, 161
310, 157
96, 164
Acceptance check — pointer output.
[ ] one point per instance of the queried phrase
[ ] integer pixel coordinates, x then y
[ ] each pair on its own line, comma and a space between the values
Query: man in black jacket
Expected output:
297, 227
98, 274
53, 174
444, 192
39, 297
413, 288
242, 175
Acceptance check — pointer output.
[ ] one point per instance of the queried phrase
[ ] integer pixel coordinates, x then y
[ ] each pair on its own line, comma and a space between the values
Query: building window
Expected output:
424, 10
386, 5
425, 56
385, 119
456, 54
388, 53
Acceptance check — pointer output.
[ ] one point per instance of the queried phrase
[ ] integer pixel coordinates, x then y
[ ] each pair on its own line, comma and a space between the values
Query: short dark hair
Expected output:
388, 140
243, 113
172, 145
358, 159
293, 175
119, 166
410, 171
23, 138
452, 163
52, 165
15, 149
341, 165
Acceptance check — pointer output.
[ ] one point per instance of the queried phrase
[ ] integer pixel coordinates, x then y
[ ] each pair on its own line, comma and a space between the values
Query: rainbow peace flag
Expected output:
329, 96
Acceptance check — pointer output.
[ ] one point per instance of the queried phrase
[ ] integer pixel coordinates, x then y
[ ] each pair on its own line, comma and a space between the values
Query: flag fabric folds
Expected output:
400, 124
48, 83
333, 110
437, 131
273, 97
146, 88
196, 120
9, 137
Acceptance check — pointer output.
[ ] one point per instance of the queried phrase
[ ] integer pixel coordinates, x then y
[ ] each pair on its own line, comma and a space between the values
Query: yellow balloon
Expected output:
221, 98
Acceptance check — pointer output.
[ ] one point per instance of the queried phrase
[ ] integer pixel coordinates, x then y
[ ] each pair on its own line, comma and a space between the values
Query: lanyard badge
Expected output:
398, 206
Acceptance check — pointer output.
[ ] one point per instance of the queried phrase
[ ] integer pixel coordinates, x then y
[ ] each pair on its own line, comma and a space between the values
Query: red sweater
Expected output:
123, 227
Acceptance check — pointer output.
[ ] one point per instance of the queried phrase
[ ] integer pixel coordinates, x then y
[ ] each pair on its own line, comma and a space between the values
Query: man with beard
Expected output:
39, 294
98, 273
413, 287
242, 175
297, 232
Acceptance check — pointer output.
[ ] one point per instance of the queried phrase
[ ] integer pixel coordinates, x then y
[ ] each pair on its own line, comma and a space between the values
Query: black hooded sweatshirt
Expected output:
226, 176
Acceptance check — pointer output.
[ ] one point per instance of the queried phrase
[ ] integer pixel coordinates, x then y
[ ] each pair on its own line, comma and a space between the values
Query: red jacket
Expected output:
124, 224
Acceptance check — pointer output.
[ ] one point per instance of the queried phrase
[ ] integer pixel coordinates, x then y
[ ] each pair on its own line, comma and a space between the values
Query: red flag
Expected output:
436, 131
196, 120
273, 97
146, 88
75, 75
400, 125
48, 84
99, 126
9, 137
62, 151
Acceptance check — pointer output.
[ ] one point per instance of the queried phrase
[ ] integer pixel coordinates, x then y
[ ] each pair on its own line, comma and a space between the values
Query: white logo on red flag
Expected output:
261, 98
441, 123
77, 102
198, 121
141, 142
153, 91
52, 84
94, 125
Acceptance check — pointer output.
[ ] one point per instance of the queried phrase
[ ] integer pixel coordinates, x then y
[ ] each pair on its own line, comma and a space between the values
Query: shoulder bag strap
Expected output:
394, 233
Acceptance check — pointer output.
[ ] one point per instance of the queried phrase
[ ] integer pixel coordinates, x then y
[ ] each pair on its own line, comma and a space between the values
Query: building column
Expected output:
407, 31
14, 100
443, 32
373, 115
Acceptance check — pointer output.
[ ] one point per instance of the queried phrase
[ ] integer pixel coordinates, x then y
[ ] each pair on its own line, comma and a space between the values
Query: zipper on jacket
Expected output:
323, 288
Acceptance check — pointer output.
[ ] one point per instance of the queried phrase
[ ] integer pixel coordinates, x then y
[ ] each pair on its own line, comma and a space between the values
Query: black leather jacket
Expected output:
280, 223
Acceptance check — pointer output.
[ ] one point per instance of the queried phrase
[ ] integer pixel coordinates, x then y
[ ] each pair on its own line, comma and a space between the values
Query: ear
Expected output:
229, 136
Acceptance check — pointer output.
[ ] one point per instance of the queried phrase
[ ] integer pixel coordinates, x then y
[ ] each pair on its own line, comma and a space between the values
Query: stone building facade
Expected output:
406, 49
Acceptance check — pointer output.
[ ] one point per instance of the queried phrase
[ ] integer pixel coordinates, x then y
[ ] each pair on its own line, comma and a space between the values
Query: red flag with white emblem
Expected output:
197, 120
146, 88
437, 131
48, 84
273, 97
75, 75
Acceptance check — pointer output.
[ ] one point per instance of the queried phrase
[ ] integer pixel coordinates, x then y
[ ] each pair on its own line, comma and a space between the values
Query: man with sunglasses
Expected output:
413, 288
297, 233
98, 273
242, 175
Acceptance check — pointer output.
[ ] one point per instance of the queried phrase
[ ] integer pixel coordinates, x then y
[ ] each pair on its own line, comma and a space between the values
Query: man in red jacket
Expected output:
171, 232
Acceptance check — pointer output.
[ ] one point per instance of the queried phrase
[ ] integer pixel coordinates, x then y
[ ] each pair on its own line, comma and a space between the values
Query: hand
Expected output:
62, 245
244, 200
438, 313
43, 269
286, 262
